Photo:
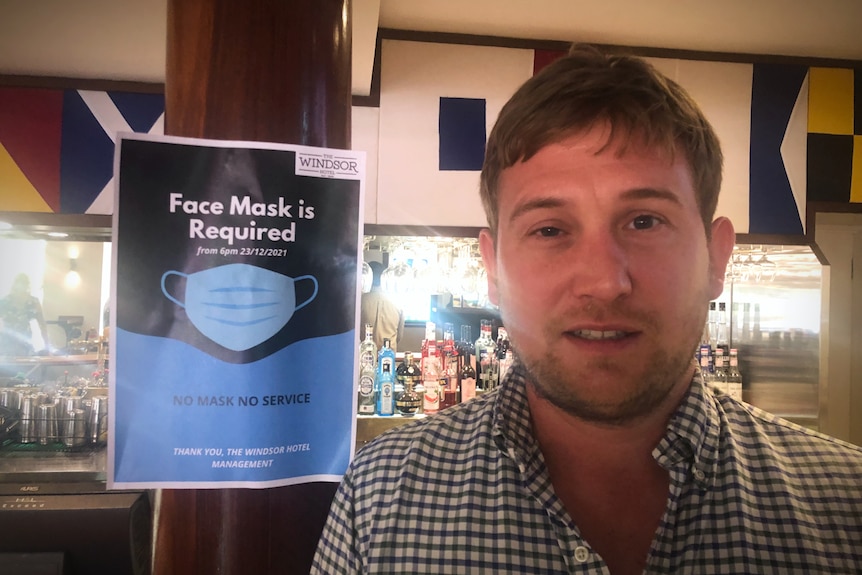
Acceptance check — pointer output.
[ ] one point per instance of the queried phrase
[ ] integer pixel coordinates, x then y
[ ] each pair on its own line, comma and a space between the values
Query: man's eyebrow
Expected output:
633, 194
536, 204
651, 193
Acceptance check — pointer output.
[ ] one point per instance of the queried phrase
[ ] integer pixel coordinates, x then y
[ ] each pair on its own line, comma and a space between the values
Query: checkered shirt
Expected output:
467, 491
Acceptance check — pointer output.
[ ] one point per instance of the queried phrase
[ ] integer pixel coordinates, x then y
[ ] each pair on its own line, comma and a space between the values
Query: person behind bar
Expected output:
379, 311
602, 451
18, 310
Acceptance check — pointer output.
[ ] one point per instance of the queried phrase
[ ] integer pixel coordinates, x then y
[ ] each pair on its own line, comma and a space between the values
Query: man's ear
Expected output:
489, 258
720, 248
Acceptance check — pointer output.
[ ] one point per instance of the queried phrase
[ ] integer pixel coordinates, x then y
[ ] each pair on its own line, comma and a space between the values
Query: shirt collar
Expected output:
692, 436
691, 439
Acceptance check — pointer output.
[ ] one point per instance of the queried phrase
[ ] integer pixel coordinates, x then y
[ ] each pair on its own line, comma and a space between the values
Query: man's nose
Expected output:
600, 267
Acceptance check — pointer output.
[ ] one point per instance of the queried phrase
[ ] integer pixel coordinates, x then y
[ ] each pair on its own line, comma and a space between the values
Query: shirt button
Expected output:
581, 554
699, 475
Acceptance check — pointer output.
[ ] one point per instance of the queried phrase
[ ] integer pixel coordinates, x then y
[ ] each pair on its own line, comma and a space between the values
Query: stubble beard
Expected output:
571, 389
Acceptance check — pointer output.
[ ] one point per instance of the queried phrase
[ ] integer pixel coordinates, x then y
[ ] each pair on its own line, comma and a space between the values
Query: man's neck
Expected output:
598, 444
606, 477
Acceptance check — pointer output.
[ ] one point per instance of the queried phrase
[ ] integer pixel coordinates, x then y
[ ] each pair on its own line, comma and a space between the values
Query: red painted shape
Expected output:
542, 58
30, 122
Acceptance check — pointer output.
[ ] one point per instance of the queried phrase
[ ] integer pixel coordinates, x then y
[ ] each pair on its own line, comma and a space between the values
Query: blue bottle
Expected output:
385, 381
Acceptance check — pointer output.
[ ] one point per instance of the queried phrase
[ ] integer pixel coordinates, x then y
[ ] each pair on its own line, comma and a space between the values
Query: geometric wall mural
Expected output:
835, 135
462, 133
57, 146
777, 189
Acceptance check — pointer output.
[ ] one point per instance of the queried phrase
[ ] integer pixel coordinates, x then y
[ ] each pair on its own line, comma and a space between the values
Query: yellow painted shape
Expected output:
856, 174
17, 194
830, 101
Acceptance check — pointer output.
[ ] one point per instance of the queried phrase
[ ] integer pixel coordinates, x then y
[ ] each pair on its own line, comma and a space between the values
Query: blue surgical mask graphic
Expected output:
239, 306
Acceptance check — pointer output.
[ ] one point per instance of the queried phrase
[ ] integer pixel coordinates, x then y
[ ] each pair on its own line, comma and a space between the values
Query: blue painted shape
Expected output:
772, 207
140, 110
462, 134
86, 156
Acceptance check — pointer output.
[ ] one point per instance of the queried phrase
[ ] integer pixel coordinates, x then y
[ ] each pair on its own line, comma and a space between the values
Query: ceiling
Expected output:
822, 28
125, 39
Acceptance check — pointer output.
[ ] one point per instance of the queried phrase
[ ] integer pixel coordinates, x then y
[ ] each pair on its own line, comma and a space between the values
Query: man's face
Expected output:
603, 273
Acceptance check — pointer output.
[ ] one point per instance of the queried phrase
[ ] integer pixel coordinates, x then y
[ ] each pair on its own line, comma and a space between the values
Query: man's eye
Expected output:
644, 222
548, 232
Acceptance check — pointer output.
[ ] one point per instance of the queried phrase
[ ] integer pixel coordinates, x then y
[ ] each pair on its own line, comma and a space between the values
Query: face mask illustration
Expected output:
239, 306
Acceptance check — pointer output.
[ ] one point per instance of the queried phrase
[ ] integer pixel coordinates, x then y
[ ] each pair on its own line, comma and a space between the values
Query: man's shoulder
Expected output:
772, 439
456, 435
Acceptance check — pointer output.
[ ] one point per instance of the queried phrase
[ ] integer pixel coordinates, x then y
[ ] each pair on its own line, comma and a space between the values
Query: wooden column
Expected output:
262, 70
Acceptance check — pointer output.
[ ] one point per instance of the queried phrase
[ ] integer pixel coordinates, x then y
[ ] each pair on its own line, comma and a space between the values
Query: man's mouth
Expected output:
593, 334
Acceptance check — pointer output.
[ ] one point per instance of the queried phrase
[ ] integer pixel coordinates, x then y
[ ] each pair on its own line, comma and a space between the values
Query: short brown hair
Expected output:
588, 87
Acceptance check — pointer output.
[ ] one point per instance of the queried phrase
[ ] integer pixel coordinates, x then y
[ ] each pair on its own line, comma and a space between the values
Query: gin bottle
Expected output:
385, 380
367, 373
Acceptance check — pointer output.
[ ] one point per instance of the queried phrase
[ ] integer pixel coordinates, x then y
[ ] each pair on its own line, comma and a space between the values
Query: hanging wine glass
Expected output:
397, 278
768, 268
367, 277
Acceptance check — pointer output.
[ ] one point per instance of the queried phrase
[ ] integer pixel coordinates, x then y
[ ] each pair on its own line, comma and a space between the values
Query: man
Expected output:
602, 451
380, 312
18, 310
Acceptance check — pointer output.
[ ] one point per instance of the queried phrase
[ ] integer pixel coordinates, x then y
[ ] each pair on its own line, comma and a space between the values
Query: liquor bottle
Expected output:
451, 360
430, 336
431, 379
465, 346
505, 355
712, 324
367, 373
385, 381
704, 358
506, 363
722, 329
734, 376
468, 380
719, 373
409, 402
485, 358
448, 396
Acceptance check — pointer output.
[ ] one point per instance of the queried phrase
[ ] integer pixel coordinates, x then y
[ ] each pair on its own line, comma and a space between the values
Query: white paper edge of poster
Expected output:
360, 157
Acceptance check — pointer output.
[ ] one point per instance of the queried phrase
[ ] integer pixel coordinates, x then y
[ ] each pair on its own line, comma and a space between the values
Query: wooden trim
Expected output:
645, 51
773, 239
813, 208
78, 227
372, 100
416, 230
61, 83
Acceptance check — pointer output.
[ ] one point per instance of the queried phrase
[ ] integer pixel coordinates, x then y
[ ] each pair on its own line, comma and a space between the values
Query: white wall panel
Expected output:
414, 76
365, 134
723, 92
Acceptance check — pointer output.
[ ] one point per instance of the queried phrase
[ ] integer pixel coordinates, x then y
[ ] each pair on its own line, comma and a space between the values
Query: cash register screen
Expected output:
75, 534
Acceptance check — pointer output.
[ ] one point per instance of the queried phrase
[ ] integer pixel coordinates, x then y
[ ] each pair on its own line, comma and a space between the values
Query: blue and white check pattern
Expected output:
467, 491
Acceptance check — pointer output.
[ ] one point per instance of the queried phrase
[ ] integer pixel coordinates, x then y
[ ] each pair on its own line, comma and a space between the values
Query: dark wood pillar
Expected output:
262, 70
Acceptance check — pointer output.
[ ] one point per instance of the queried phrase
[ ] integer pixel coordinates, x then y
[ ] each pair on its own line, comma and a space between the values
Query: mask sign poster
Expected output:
233, 313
